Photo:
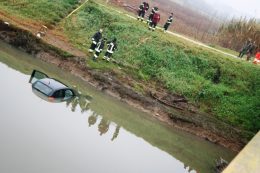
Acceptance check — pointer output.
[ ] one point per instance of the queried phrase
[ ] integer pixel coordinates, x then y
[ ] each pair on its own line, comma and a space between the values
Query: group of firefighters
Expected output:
98, 43
154, 17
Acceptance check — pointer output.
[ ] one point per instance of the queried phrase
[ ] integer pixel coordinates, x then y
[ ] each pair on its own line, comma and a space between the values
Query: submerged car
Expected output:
50, 89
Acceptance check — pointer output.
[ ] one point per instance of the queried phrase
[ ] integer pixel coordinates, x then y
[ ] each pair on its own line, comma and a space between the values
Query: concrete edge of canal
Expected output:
248, 160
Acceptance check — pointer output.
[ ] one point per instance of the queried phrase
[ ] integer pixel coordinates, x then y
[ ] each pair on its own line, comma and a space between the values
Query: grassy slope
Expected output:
226, 87
45, 11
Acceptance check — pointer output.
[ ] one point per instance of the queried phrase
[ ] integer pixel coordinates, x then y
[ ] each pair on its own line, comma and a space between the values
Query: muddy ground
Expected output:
169, 108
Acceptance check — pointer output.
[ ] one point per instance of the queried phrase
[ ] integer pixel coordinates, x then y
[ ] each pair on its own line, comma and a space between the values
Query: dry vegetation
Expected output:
234, 34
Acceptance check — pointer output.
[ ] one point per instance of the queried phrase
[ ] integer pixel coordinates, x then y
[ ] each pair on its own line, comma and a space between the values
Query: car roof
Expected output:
54, 84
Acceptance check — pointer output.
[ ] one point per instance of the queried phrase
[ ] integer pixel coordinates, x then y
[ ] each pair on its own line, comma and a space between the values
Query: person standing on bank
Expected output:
169, 21
95, 39
111, 47
154, 10
155, 20
250, 51
245, 48
142, 10
99, 48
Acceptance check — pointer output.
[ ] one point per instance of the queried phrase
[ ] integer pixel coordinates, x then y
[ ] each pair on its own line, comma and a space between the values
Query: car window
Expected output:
68, 93
59, 94
37, 75
43, 88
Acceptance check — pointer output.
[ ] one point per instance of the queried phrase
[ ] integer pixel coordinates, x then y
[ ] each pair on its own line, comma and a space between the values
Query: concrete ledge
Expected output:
248, 160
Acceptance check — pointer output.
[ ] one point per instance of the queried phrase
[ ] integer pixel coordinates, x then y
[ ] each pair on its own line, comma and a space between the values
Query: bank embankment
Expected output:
173, 109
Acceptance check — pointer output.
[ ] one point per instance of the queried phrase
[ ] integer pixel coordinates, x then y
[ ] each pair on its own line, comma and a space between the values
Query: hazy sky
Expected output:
251, 7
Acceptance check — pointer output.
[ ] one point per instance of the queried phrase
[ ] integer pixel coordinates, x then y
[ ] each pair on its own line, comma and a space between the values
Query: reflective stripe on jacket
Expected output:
111, 47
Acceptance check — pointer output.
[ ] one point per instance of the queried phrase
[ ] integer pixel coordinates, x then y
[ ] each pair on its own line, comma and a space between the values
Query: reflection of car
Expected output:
50, 89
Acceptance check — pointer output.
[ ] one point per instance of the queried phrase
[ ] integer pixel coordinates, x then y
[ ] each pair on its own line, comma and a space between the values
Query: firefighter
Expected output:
99, 48
169, 21
250, 51
95, 39
111, 47
245, 48
149, 20
155, 20
142, 10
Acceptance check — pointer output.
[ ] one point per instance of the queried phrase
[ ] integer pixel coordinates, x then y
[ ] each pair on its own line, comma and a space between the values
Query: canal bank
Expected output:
192, 121
107, 132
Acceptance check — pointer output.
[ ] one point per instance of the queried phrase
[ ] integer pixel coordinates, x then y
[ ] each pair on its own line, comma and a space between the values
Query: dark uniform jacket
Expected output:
156, 18
170, 19
96, 37
154, 10
144, 7
111, 47
100, 46
251, 48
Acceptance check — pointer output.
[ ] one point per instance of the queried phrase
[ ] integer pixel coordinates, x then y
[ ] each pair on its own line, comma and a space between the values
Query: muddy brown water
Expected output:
96, 135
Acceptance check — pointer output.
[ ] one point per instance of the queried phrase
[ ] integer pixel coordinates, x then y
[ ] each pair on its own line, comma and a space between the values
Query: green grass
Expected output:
223, 86
47, 11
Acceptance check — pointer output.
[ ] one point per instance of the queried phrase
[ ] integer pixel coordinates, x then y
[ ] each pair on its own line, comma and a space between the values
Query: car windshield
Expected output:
43, 88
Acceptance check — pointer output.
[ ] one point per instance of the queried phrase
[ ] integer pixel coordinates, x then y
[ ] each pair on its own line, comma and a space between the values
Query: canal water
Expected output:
93, 133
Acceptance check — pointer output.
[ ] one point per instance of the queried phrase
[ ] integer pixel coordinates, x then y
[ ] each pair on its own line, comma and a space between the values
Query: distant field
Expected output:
47, 11
224, 86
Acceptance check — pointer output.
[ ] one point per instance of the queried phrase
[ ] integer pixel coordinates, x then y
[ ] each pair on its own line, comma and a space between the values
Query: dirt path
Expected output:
200, 44
53, 36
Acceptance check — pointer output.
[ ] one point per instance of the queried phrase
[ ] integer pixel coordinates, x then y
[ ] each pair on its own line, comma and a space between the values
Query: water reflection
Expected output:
80, 101
189, 169
83, 101
103, 126
150, 143
116, 132
92, 119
